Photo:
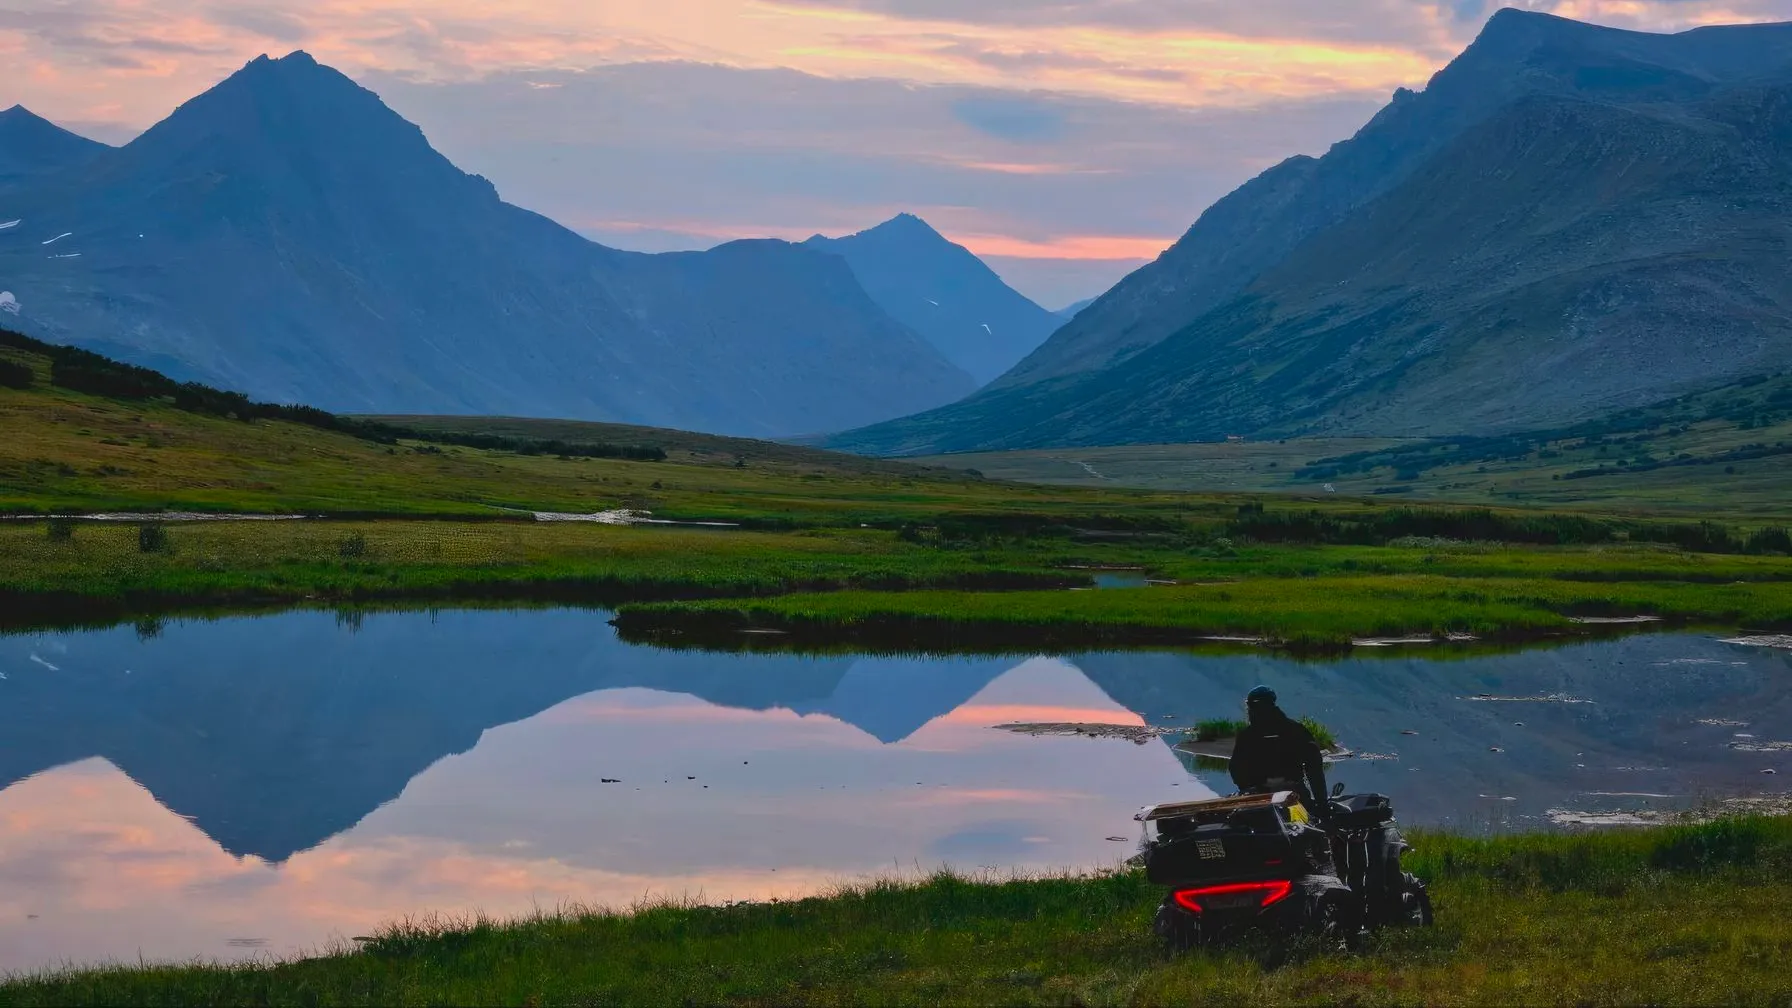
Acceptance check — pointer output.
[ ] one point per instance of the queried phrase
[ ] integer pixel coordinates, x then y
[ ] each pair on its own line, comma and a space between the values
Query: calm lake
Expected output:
269, 784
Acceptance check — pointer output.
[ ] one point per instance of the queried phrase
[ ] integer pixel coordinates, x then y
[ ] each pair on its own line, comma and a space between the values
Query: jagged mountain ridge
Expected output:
944, 292
288, 235
1487, 234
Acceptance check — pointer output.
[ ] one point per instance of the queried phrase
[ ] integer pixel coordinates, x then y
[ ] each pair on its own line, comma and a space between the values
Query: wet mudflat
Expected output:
269, 784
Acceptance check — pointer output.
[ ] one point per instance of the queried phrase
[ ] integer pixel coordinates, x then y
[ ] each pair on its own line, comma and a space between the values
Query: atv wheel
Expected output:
1180, 930
1415, 902
1330, 920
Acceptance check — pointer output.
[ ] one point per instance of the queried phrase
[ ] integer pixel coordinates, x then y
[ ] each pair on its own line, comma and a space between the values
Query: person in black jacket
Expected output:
1277, 753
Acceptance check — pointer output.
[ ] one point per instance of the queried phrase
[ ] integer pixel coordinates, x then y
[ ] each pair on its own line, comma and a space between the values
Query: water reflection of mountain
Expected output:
890, 698
1641, 733
272, 734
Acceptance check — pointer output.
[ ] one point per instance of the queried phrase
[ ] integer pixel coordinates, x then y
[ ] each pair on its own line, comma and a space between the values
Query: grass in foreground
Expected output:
1674, 915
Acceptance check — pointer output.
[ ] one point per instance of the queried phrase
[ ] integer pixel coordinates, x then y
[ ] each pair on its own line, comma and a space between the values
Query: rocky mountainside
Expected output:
287, 235
945, 293
1569, 220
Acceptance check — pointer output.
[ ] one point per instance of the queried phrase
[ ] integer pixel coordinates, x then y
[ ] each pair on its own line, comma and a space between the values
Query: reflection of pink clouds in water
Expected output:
985, 715
990, 796
127, 877
794, 804
643, 706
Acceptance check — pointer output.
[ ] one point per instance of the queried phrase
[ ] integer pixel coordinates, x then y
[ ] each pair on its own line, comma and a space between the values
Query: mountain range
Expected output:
1568, 221
287, 235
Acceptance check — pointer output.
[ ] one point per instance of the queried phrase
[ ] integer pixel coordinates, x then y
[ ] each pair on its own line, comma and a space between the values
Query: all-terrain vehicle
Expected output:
1257, 862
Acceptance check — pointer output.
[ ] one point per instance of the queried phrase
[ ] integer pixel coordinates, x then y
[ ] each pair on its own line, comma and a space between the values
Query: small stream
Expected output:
270, 784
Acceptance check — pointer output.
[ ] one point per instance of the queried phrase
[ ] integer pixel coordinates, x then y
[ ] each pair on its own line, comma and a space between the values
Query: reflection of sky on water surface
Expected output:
783, 803
290, 779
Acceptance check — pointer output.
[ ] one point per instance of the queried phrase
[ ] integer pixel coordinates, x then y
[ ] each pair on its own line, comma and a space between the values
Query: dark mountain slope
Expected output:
1519, 53
945, 293
31, 145
1615, 212
288, 235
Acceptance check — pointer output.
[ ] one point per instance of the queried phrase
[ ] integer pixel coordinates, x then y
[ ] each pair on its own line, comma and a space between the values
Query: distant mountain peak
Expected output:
1514, 15
1516, 25
296, 58
19, 117
941, 290
29, 143
295, 68
276, 115
906, 225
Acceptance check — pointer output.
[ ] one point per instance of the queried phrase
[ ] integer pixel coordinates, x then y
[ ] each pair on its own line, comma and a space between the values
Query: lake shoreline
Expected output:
722, 628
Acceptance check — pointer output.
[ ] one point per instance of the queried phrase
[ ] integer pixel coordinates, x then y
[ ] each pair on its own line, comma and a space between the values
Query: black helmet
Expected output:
1260, 695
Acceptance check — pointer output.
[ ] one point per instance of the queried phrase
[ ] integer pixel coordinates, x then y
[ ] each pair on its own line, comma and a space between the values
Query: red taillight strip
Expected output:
1273, 891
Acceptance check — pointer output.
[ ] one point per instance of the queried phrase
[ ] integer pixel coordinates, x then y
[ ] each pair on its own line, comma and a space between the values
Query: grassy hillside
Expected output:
68, 450
1672, 915
680, 446
1725, 451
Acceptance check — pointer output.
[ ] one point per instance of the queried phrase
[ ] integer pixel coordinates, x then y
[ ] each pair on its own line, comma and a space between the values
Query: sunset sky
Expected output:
1064, 140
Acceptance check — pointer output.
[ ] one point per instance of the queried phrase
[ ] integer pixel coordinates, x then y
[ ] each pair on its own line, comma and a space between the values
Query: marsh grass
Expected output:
869, 588
1319, 612
1676, 915
1217, 728
101, 570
